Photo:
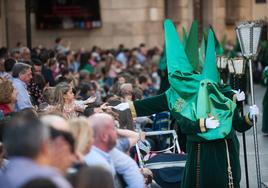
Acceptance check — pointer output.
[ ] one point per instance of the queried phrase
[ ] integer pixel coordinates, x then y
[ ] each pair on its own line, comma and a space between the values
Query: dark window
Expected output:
260, 1
67, 14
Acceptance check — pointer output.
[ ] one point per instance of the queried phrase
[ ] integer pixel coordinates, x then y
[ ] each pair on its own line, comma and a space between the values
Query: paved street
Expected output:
263, 147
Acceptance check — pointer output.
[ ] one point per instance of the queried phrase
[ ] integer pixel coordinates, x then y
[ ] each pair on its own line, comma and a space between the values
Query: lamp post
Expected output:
248, 36
222, 65
236, 67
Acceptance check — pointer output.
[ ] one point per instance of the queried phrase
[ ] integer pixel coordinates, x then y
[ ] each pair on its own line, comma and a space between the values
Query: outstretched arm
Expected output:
146, 106
149, 105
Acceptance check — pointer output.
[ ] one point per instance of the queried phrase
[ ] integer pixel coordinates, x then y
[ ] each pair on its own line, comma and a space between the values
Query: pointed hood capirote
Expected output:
184, 36
196, 96
176, 57
204, 45
163, 60
180, 72
218, 47
191, 47
210, 70
202, 53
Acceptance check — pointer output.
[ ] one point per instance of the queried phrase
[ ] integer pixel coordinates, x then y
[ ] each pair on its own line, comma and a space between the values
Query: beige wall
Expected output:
218, 18
123, 21
127, 21
245, 10
260, 10
16, 22
248, 10
185, 8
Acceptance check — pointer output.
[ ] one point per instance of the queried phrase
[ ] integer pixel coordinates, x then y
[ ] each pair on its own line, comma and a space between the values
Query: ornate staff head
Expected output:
248, 34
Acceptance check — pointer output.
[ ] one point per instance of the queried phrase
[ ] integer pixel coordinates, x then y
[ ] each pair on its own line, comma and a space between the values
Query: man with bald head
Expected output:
105, 137
104, 153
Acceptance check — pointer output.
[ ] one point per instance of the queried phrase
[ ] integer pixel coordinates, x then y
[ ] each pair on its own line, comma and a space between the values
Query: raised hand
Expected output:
240, 95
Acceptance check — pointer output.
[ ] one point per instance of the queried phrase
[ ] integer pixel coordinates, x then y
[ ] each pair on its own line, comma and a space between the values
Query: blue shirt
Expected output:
23, 97
121, 57
141, 58
97, 157
128, 168
21, 170
123, 144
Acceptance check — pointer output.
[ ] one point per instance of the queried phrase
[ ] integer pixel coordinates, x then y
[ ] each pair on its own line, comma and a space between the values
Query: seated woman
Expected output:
7, 97
65, 103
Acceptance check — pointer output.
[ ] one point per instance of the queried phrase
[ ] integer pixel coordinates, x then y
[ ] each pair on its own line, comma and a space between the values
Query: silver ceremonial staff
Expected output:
237, 67
248, 35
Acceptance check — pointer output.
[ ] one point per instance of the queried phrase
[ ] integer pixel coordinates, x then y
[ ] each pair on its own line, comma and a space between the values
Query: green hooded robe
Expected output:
191, 98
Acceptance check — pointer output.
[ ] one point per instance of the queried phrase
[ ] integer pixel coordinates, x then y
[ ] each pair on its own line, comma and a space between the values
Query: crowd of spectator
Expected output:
57, 124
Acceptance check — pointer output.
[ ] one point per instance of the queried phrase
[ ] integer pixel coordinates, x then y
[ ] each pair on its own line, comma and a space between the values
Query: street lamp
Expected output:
222, 65
236, 66
248, 36
222, 62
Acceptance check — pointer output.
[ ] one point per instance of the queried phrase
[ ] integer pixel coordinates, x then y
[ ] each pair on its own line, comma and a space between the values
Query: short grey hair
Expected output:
20, 68
25, 137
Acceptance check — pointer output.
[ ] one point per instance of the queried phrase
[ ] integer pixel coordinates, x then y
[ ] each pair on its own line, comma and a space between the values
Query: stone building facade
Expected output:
132, 22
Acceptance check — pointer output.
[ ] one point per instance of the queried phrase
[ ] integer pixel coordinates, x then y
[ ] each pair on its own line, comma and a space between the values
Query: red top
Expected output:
5, 108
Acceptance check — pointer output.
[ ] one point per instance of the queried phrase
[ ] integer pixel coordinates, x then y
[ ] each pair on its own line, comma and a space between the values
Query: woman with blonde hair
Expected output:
64, 101
83, 135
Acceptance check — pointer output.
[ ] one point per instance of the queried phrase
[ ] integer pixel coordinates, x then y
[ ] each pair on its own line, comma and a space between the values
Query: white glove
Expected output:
122, 106
253, 110
212, 123
240, 95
